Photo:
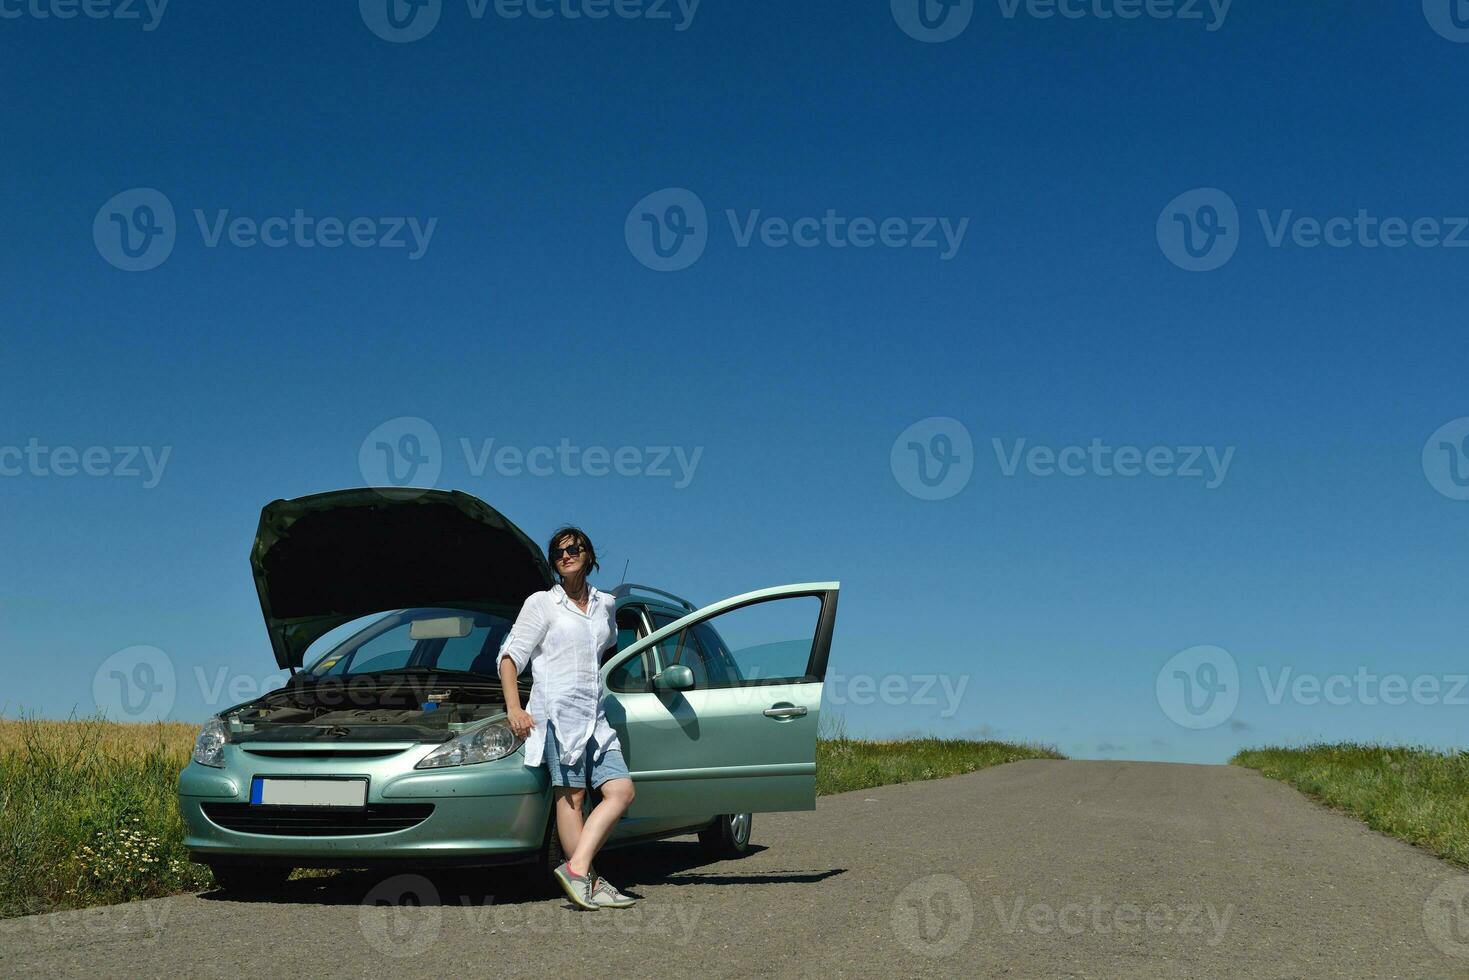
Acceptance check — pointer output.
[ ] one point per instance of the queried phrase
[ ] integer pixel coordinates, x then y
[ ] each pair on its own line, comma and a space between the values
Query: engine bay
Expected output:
420, 708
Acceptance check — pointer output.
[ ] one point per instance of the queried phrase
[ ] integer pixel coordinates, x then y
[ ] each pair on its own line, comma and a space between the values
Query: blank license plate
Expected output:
265, 791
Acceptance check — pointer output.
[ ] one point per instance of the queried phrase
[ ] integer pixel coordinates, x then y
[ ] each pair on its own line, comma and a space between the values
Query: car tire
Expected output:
246, 879
728, 835
542, 884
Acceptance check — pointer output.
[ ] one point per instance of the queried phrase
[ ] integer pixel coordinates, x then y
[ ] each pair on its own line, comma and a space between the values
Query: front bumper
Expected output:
491, 813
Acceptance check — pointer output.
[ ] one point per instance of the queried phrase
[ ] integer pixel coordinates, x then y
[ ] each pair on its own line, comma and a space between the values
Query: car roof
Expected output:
649, 602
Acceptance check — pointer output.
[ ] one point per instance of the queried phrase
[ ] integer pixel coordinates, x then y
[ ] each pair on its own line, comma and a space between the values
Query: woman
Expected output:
560, 633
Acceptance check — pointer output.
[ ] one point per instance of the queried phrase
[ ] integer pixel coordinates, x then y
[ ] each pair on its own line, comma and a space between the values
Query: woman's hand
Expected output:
520, 722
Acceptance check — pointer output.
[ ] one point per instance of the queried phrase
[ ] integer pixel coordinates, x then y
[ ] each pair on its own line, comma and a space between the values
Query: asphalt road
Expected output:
1072, 869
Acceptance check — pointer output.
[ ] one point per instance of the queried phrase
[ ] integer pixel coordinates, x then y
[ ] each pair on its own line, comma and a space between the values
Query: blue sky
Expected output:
1072, 152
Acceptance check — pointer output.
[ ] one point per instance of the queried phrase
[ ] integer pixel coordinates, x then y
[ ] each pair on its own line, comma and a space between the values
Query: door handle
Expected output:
791, 711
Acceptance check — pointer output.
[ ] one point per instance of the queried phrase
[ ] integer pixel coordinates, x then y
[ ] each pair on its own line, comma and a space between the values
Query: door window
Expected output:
632, 675
761, 643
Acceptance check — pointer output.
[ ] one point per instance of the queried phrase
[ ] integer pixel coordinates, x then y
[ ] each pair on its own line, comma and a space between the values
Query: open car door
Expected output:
717, 712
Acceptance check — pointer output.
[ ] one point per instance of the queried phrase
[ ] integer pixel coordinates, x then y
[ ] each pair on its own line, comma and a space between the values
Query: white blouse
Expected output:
563, 646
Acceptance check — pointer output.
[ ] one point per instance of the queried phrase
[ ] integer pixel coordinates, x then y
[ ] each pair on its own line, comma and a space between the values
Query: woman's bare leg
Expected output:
568, 817
617, 796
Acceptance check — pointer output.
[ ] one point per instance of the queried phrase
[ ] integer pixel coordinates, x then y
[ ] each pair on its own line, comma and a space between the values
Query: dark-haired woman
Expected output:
561, 633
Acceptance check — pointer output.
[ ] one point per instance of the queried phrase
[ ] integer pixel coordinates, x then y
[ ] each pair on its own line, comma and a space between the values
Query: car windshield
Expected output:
442, 639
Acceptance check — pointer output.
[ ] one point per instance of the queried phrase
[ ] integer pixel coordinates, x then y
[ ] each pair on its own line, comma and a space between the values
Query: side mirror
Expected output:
675, 678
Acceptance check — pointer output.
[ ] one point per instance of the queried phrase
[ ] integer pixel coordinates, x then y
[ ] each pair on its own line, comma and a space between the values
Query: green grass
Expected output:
844, 764
1419, 795
88, 813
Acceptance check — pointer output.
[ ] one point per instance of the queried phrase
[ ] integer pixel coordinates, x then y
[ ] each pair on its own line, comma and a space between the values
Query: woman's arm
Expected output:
520, 721
519, 647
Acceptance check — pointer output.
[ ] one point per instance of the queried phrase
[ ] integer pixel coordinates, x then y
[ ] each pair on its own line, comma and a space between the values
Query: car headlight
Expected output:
481, 745
209, 743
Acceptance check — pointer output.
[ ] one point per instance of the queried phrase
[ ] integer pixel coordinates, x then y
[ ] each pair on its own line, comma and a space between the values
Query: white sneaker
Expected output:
605, 894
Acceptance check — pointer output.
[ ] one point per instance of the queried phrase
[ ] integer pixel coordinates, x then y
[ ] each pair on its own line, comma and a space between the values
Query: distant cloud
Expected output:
981, 731
1109, 747
1235, 725
1160, 743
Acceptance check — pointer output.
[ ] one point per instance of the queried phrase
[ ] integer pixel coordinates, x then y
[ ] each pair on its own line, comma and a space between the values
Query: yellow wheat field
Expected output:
97, 737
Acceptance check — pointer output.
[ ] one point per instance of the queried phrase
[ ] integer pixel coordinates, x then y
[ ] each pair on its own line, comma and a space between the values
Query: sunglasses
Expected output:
571, 550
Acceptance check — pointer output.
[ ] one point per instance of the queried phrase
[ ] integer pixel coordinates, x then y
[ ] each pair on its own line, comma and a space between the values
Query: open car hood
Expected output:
327, 559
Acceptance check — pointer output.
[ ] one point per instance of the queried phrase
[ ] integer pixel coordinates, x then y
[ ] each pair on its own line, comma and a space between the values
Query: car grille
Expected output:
312, 821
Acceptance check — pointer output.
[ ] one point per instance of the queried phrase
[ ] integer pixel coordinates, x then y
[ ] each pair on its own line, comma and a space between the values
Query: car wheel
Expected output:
245, 879
542, 885
728, 835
